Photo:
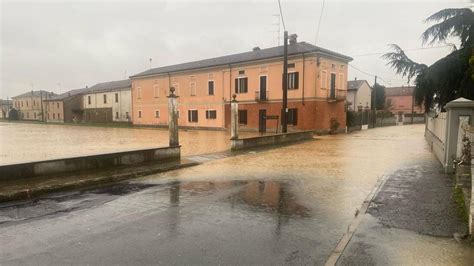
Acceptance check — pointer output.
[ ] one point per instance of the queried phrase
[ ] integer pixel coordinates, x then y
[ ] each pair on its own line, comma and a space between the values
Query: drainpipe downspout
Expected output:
302, 97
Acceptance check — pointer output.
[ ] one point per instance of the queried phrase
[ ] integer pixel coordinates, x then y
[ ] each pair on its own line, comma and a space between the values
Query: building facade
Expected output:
65, 107
359, 95
108, 102
5, 106
317, 80
399, 100
30, 104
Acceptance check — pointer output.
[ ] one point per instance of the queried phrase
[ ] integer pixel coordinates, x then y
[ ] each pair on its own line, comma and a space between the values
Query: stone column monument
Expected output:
173, 118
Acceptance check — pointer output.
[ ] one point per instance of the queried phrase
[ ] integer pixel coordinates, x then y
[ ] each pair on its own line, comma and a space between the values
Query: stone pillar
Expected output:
173, 118
456, 109
234, 118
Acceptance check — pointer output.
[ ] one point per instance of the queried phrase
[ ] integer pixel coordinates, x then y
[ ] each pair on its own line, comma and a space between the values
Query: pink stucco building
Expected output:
399, 100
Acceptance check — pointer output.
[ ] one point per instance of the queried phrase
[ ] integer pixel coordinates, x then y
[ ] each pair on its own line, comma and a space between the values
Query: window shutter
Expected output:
236, 85
245, 84
295, 121
296, 79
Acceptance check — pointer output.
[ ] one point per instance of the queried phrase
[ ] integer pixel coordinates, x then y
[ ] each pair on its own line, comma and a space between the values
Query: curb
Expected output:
31, 193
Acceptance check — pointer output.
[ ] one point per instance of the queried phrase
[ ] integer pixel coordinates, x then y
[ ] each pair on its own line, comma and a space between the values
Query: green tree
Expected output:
451, 76
379, 95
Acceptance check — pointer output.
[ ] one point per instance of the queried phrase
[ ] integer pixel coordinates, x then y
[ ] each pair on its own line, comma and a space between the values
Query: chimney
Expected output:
293, 39
355, 78
256, 48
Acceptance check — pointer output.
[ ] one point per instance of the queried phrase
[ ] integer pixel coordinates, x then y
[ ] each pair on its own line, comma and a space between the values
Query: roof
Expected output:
111, 86
6, 102
399, 91
356, 84
34, 94
460, 102
273, 52
68, 94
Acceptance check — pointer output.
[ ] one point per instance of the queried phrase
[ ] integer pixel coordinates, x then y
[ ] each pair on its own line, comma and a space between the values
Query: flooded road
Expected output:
289, 205
24, 142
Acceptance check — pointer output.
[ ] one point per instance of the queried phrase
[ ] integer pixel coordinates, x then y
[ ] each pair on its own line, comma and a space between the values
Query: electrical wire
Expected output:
369, 74
281, 14
319, 23
406, 50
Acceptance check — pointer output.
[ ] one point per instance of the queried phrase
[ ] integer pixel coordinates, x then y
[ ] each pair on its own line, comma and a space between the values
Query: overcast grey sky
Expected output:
63, 45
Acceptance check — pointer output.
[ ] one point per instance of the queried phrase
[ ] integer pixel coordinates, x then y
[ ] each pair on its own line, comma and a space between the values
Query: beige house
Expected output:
359, 95
5, 106
108, 102
30, 104
65, 107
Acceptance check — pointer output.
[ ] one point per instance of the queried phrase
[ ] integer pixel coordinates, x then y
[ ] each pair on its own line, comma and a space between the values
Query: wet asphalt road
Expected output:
289, 205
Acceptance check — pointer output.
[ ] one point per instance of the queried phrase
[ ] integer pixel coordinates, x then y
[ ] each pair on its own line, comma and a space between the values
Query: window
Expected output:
177, 112
139, 114
21, 103
57, 105
116, 115
243, 117
211, 114
341, 81
156, 90
192, 88
116, 97
192, 115
292, 65
241, 85
292, 116
324, 79
54, 115
126, 115
34, 114
88, 99
139, 93
241, 72
293, 80
48, 115
59, 116
157, 113
211, 76
105, 98
34, 103
26, 103
210, 87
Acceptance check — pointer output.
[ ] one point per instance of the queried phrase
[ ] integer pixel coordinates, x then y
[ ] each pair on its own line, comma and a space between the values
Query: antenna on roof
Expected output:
150, 61
279, 27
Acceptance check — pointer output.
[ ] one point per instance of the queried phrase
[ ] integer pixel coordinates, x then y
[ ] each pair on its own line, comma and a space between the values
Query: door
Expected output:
263, 88
333, 86
262, 126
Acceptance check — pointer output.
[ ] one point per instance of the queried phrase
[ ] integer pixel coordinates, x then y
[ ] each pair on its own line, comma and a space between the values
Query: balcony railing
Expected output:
261, 97
336, 95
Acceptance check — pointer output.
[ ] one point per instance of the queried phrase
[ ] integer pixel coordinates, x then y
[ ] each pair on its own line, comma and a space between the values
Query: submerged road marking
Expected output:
342, 244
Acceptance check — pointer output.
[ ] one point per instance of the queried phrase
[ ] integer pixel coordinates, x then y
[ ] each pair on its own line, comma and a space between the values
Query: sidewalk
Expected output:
413, 217
28, 188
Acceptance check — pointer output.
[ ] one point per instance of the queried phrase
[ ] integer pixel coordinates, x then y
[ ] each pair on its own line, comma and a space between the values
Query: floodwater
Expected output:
23, 142
289, 205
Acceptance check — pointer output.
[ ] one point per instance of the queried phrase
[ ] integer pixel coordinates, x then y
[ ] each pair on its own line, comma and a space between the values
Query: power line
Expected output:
319, 23
369, 74
406, 50
281, 14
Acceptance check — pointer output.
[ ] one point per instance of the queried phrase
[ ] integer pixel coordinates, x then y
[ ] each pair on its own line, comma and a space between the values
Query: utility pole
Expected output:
42, 109
285, 83
412, 105
374, 107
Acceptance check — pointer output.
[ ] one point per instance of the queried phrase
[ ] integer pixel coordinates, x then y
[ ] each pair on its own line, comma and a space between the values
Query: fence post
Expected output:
234, 119
173, 118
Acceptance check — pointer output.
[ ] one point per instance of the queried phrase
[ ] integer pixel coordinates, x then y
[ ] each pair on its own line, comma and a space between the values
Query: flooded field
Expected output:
23, 142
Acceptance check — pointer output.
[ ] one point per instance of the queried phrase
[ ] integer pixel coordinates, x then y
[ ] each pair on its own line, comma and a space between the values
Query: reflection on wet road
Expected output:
282, 206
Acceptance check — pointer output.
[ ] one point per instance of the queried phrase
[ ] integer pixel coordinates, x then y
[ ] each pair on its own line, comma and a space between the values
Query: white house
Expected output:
359, 95
108, 102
